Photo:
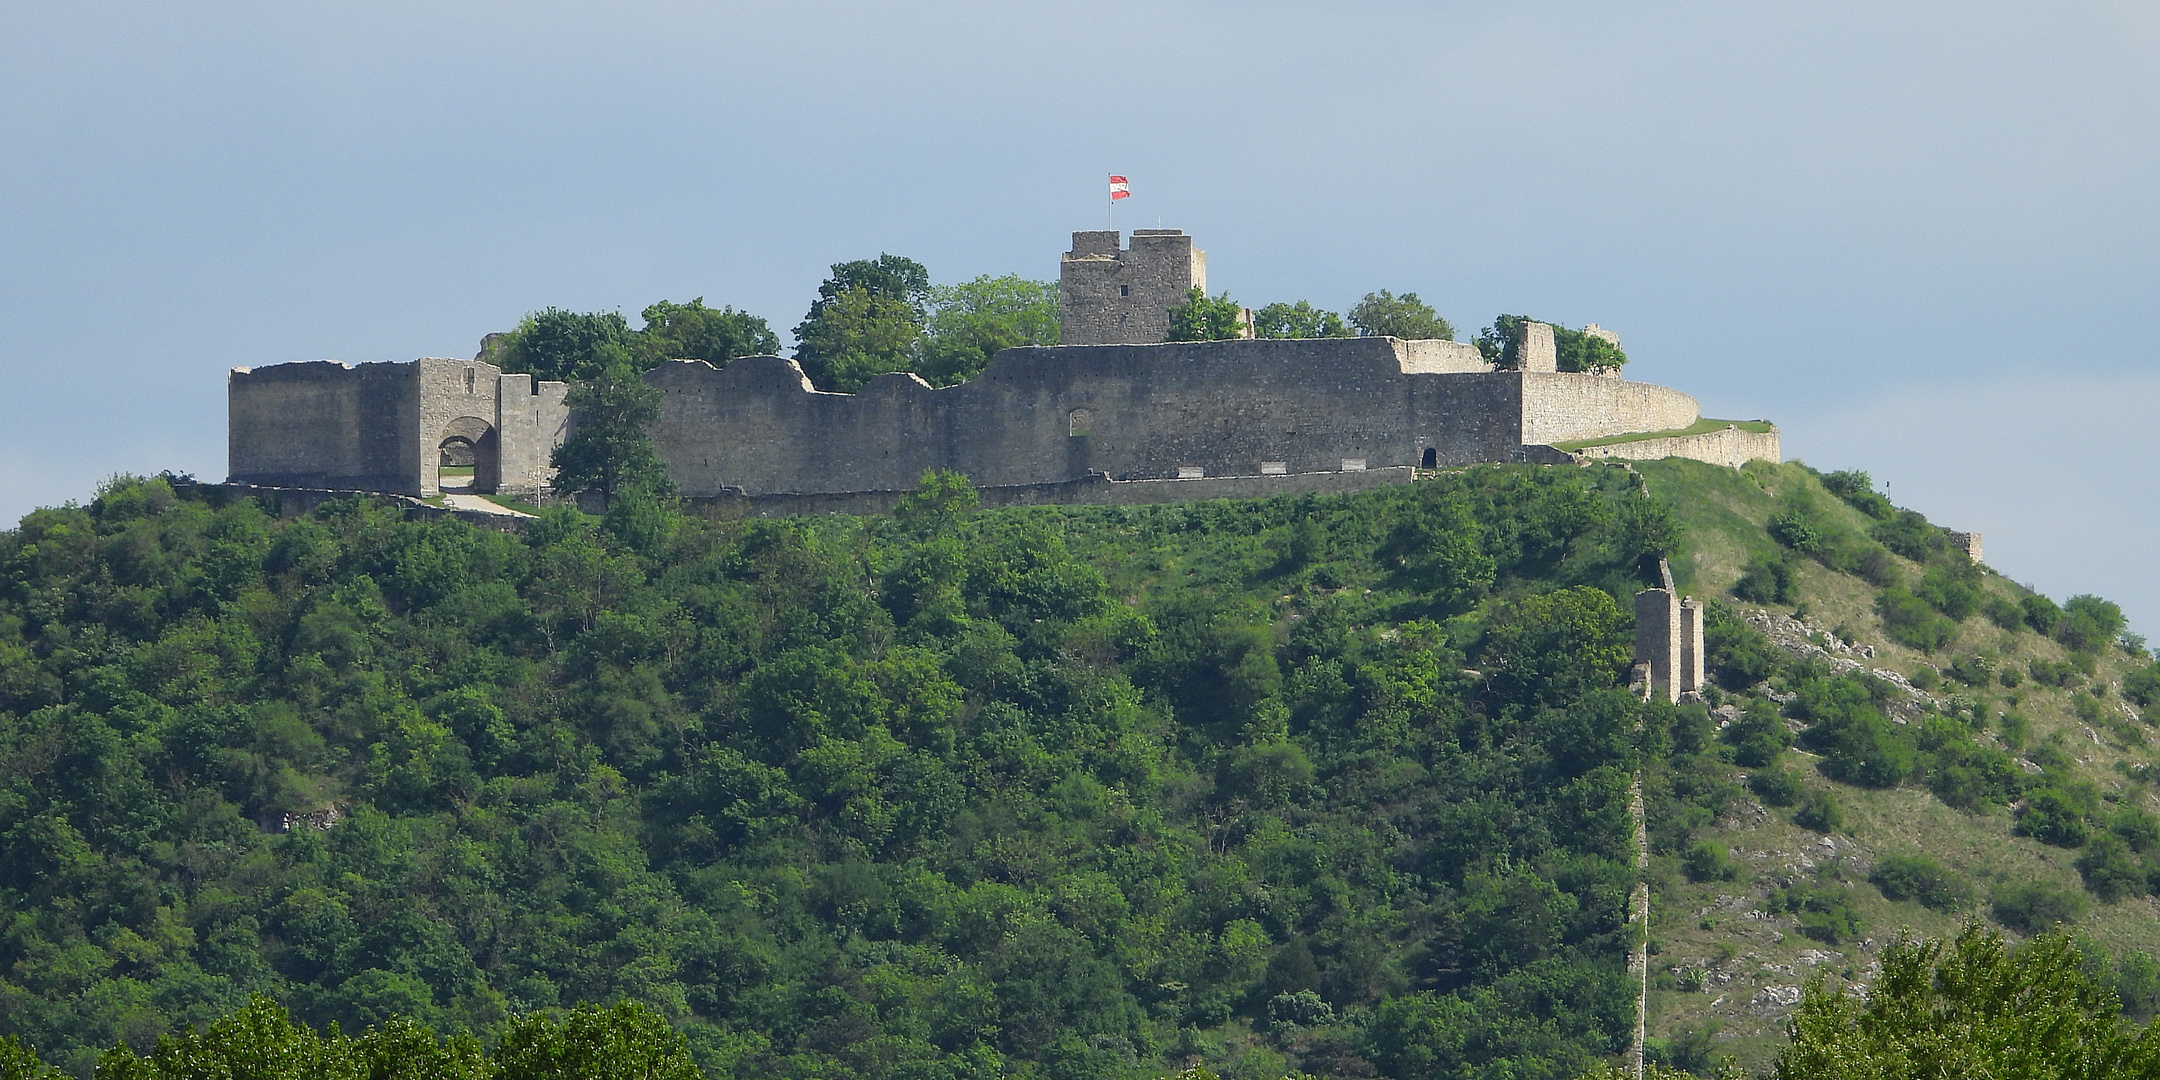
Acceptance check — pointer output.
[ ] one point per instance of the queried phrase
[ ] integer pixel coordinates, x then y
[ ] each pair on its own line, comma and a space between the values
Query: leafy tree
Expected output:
1558, 646
892, 277
1201, 318
567, 346
866, 321
968, 323
855, 337
19, 1062
608, 449
1858, 490
625, 1042
1383, 314
1577, 350
1299, 320
693, 331
1972, 1007
1573, 350
2089, 623
2040, 613
947, 792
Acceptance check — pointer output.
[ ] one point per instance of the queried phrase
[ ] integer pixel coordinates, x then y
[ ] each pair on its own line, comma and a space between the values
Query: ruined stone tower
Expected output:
1668, 640
1113, 296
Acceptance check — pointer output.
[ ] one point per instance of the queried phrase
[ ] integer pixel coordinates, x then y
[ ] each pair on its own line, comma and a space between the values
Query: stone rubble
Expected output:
1797, 636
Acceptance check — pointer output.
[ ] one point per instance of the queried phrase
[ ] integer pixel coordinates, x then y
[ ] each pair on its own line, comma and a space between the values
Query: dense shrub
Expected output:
1826, 912
2055, 673
2036, 906
2040, 613
1910, 535
2055, 816
1858, 489
1847, 726
1819, 810
1738, 655
2136, 827
1776, 787
2089, 623
2142, 685
1971, 670
1759, 736
1913, 622
1767, 579
2110, 869
2003, 613
1707, 860
1921, 879
1953, 588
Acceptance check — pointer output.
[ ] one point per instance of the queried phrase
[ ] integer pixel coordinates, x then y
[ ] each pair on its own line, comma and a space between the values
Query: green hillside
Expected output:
1331, 785
2015, 718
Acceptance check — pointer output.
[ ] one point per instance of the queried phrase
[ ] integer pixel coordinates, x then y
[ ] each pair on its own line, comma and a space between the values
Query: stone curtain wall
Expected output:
1232, 408
1433, 356
1728, 446
1034, 417
1567, 406
323, 424
379, 427
1108, 296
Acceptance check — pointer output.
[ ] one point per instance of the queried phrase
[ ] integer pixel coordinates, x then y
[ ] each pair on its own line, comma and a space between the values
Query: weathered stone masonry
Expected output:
383, 427
1041, 415
1113, 414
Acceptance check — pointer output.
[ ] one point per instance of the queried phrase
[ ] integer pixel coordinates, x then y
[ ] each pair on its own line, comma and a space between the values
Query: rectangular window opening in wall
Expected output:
1190, 472
1353, 464
1274, 468
1124, 290
1432, 458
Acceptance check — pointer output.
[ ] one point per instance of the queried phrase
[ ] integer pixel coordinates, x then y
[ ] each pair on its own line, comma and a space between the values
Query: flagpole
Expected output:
1109, 206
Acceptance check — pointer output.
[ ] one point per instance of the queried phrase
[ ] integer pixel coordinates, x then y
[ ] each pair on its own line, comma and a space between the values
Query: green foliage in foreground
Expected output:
559, 345
260, 1041
1048, 792
1573, 350
1205, 318
1974, 1007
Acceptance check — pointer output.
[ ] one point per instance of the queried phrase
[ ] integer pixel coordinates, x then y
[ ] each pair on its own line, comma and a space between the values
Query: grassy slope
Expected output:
1700, 427
1725, 511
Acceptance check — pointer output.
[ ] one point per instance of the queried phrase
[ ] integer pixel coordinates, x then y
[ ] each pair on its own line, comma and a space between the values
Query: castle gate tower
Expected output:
1108, 296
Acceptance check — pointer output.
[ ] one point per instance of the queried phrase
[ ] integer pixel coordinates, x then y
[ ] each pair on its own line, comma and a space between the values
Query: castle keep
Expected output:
1108, 296
1113, 413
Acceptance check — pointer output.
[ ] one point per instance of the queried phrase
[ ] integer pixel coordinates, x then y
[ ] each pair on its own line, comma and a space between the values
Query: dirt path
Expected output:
462, 501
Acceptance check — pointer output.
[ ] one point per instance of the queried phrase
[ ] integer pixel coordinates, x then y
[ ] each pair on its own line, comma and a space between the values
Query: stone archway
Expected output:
468, 443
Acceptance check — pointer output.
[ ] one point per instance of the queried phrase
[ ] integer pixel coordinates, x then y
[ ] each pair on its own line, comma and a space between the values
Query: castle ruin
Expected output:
392, 427
1113, 413
1109, 296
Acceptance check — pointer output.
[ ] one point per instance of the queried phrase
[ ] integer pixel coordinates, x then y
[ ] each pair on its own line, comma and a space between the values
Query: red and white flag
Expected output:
1119, 189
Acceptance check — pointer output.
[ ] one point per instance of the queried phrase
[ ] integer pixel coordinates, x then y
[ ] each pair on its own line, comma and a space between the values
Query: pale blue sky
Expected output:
1922, 237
